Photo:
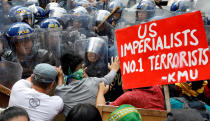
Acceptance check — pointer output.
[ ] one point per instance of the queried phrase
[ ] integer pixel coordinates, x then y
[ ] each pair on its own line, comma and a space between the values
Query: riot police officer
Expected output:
22, 38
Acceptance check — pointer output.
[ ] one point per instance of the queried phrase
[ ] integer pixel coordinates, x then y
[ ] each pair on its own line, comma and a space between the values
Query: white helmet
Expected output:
101, 15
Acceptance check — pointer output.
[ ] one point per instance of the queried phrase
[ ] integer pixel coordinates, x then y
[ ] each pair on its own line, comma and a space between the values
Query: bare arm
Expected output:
60, 76
103, 89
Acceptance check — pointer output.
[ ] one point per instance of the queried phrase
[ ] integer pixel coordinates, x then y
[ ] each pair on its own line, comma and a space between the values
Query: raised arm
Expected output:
113, 67
102, 89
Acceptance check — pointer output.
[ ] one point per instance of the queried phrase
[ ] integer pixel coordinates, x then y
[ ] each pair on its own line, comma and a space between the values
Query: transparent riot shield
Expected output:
207, 28
115, 89
10, 72
94, 50
51, 42
203, 6
80, 47
28, 51
131, 17
83, 24
4, 19
144, 15
69, 37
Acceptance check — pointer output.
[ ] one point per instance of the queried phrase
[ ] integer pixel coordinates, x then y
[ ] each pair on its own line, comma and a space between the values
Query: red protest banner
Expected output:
162, 52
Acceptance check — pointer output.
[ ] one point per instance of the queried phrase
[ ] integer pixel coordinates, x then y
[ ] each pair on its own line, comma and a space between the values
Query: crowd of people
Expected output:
61, 57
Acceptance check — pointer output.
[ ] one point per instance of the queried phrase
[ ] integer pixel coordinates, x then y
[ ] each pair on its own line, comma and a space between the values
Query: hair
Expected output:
37, 81
197, 84
13, 112
84, 112
70, 60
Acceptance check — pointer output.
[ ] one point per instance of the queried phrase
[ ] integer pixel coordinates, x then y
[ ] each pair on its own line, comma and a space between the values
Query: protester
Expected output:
84, 112
190, 98
207, 92
148, 98
14, 114
21, 39
125, 113
32, 93
184, 115
81, 89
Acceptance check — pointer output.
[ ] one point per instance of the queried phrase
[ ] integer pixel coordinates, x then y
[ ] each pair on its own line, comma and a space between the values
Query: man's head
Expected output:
44, 76
70, 61
14, 114
145, 10
20, 38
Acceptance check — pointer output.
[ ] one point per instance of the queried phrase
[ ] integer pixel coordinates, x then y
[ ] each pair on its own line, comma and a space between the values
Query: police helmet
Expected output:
114, 4
182, 5
12, 12
50, 23
80, 11
24, 14
101, 15
19, 31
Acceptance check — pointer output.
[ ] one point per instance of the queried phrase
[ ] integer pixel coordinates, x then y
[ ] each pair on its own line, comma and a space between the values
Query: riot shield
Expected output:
51, 42
10, 72
27, 50
203, 6
83, 24
207, 28
94, 50
4, 19
115, 89
80, 47
68, 39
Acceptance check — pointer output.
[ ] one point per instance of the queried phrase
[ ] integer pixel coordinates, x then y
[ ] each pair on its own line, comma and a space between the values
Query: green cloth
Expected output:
78, 75
125, 113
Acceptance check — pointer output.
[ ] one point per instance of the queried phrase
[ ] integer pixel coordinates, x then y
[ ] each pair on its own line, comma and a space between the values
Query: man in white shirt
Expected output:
32, 93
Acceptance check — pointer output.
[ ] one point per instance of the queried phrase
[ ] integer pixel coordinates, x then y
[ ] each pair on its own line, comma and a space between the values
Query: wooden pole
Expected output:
5, 90
115, 10
167, 98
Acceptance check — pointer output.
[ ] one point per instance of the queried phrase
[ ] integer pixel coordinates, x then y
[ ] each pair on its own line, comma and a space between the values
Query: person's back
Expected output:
79, 89
38, 104
184, 115
148, 98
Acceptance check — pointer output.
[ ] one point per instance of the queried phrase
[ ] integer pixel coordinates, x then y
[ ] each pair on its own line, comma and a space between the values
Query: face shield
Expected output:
96, 57
143, 15
23, 44
82, 22
25, 16
94, 50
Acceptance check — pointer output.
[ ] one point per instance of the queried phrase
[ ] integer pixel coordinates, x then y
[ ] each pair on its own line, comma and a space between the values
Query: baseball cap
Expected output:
45, 73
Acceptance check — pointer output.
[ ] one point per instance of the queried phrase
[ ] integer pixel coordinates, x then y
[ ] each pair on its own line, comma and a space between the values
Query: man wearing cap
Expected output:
32, 93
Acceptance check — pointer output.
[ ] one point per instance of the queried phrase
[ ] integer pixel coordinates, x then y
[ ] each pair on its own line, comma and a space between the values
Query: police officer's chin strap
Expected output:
78, 75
